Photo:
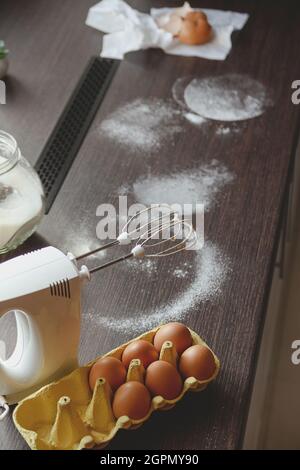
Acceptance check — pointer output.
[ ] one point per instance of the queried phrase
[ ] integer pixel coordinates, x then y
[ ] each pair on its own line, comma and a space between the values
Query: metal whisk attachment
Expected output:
145, 219
159, 236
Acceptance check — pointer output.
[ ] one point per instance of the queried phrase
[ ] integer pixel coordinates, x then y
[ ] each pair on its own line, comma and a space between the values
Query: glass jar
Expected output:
21, 195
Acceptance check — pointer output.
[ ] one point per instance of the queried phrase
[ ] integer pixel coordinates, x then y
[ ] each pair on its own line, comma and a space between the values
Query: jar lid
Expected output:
9, 151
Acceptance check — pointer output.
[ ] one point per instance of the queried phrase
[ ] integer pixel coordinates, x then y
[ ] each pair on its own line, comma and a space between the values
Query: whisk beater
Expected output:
140, 249
127, 236
161, 236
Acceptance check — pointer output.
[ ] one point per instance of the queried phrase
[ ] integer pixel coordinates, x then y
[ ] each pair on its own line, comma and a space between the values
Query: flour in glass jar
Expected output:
20, 201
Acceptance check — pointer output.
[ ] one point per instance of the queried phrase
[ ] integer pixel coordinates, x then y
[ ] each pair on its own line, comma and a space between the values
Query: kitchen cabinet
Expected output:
275, 316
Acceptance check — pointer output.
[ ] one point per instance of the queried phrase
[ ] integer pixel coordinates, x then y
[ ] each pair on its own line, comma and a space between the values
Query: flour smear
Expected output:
231, 97
143, 124
207, 275
196, 185
195, 119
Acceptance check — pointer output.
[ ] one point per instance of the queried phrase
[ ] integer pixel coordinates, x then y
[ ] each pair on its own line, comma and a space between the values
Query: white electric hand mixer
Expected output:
43, 289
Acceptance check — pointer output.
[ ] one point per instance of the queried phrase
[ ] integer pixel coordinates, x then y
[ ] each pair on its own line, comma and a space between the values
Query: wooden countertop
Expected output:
50, 46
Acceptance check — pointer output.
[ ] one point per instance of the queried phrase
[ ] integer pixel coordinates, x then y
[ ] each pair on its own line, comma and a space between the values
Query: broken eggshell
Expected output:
184, 10
172, 22
188, 25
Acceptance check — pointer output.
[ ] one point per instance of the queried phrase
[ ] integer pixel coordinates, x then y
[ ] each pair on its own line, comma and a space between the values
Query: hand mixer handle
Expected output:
21, 368
43, 289
43, 352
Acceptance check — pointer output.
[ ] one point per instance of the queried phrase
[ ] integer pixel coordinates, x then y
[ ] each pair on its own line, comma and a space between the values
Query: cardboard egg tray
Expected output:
67, 415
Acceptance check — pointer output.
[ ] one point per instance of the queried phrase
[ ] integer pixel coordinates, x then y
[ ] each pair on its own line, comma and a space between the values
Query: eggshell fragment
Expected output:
111, 369
174, 25
197, 361
163, 379
162, 20
142, 350
182, 11
132, 399
175, 332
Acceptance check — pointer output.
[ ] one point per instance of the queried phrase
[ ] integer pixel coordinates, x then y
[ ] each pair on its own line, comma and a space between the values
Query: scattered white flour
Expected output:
79, 245
226, 130
223, 131
210, 269
231, 97
143, 125
180, 273
146, 266
194, 118
150, 266
197, 185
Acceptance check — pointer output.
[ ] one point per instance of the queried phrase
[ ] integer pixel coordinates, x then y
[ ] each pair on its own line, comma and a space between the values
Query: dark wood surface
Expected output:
50, 46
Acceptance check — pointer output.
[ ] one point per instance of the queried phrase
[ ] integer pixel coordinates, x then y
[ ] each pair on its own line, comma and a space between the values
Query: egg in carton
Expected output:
67, 415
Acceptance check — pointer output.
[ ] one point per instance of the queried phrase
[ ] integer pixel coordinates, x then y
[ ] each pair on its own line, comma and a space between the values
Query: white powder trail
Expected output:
143, 124
211, 268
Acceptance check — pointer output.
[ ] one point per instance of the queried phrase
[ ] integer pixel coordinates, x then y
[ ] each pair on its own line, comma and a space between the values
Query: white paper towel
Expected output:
130, 30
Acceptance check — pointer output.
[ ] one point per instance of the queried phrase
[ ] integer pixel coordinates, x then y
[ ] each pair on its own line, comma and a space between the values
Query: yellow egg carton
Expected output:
67, 415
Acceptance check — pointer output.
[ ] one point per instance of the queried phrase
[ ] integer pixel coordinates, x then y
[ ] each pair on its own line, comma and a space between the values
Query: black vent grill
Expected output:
63, 145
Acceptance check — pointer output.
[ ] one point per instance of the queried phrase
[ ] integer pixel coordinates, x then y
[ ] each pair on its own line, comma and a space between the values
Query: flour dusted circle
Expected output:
231, 97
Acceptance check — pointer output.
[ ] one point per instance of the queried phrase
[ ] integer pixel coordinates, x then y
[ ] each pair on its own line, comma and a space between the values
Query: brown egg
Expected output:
111, 369
163, 379
178, 333
195, 29
132, 399
196, 16
197, 361
140, 349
